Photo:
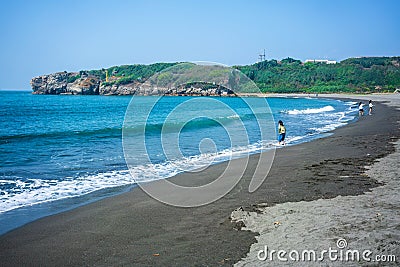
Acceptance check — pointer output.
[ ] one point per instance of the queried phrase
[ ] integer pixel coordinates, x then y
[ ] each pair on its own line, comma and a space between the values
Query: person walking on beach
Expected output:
370, 107
282, 133
361, 109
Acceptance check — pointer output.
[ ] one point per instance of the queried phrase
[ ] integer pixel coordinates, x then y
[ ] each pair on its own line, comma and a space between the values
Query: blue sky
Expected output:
41, 37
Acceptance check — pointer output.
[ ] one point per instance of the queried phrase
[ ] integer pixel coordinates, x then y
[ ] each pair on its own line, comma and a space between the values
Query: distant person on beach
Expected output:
370, 107
361, 109
282, 133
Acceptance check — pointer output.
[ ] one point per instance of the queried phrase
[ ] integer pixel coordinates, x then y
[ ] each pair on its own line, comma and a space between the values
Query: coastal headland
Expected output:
352, 75
134, 229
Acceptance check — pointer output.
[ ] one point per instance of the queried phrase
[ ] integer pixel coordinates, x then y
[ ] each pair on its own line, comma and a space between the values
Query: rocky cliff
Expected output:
51, 84
65, 83
73, 83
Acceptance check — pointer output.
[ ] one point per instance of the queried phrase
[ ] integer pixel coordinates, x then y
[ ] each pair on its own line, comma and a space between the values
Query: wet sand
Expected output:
135, 230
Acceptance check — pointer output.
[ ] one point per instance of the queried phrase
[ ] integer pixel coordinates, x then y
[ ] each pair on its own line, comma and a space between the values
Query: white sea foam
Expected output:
310, 110
195, 163
328, 128
236, 116
28, 192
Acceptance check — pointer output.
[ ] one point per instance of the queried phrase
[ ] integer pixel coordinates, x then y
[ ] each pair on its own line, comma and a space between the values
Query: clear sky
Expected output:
41, 37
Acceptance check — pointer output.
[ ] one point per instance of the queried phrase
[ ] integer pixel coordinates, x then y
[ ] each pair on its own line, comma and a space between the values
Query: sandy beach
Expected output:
340, 186
365, 222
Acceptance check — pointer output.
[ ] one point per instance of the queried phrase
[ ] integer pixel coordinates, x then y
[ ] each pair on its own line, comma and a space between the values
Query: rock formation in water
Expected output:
73, 83
65, 83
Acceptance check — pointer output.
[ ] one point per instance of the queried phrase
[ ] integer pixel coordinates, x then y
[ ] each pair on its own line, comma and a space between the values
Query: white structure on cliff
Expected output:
320, 61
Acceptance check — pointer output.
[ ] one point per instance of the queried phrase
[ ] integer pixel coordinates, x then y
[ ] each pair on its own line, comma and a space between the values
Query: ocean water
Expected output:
59, 152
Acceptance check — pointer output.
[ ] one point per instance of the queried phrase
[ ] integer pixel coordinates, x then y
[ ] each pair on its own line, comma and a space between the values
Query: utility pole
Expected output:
262, 56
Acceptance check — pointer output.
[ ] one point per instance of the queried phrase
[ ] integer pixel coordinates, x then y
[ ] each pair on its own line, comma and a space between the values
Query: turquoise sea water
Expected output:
59, 152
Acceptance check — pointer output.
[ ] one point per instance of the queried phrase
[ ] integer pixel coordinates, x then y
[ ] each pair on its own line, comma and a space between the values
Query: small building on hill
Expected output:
320, 61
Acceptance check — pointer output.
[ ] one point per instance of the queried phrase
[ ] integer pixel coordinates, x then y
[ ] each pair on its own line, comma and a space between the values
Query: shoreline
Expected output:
130, 228
48, 208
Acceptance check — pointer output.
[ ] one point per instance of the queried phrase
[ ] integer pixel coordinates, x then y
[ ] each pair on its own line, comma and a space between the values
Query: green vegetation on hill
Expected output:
363, 75
368, 74
125, 74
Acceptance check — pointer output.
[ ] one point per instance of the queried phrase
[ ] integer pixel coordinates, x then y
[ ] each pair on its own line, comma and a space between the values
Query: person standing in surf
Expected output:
370, 107
282, 133
361, 109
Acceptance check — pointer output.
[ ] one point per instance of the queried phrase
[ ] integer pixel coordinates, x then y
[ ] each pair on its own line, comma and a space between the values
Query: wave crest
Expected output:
310, 110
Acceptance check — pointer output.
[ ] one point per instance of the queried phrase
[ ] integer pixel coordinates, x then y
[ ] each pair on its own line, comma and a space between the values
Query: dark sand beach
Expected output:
132, 229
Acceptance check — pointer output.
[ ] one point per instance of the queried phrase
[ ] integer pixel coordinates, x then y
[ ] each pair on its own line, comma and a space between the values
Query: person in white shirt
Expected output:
370, 107
361, 109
